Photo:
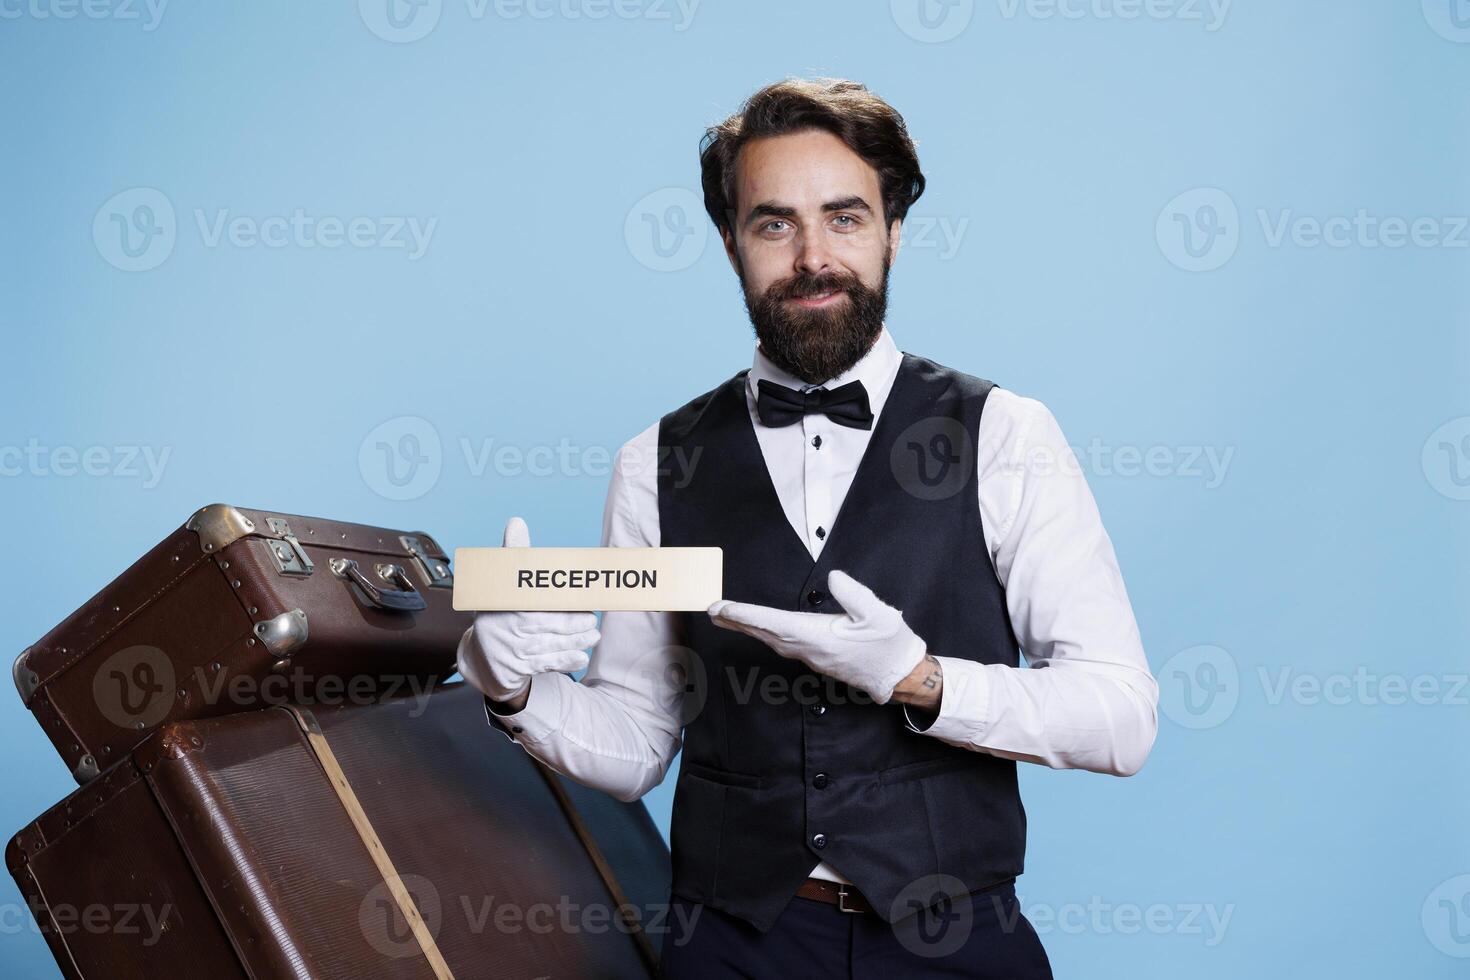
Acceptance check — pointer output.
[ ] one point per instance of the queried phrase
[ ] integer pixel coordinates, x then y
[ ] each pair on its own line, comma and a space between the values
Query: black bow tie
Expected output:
778, 405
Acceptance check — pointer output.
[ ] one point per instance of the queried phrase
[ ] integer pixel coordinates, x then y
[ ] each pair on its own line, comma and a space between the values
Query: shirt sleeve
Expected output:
619, 729
1087, 699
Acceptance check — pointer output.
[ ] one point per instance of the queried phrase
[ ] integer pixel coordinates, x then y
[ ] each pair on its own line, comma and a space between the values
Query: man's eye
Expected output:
846, 221
771, 226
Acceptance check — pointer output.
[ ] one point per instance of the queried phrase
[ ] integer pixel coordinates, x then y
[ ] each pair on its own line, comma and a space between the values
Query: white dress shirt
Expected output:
1093, 707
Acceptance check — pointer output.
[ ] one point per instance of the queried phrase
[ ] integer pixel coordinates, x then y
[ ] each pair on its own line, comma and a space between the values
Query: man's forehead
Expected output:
807, 168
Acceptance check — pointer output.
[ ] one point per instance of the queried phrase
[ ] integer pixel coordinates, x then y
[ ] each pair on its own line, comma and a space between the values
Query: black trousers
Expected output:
984, 936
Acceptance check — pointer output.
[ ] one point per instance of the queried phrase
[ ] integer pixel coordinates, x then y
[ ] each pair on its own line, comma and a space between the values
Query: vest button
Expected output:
820, 780
819, 841
819, 709
815, 597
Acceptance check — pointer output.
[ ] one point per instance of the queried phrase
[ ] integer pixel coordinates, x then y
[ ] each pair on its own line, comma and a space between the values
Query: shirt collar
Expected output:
876, 370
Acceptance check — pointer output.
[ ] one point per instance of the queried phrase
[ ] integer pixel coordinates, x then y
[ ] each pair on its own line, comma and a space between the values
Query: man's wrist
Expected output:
924, 685
511, 705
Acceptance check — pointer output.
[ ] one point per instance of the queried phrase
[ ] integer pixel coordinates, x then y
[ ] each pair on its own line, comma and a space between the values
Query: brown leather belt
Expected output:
846, 897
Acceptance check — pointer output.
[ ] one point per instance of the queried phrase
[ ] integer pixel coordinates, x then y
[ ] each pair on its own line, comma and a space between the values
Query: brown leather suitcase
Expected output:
399, 840
235, 610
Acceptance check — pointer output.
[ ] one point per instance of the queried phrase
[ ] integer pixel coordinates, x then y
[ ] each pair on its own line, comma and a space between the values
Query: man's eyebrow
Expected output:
853, 203
770, 209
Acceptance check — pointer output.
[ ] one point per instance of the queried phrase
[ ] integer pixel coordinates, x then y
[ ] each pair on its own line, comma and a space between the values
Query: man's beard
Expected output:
818, 344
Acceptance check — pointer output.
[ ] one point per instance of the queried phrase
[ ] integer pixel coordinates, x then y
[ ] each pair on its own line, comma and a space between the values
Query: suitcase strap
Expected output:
350, 803
574, 817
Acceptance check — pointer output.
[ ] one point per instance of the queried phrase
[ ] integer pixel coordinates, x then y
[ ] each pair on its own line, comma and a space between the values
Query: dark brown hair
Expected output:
870, 127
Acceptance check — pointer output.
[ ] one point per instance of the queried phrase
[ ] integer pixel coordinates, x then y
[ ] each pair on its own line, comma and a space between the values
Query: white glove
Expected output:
868, 647
509, 648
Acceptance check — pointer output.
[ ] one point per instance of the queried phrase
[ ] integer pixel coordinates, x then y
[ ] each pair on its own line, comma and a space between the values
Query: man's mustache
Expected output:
800, 288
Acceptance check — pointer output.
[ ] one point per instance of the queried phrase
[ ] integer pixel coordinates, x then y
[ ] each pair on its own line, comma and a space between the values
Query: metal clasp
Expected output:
842, 893
291, 558
435, 572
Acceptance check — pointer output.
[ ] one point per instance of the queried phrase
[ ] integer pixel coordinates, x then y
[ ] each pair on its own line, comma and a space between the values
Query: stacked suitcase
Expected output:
276, 782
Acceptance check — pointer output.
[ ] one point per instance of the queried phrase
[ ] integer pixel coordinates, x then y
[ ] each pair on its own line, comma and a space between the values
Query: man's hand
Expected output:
868, 647
511, 647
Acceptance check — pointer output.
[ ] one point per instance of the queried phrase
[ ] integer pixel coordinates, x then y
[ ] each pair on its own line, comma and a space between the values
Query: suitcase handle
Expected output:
405, 598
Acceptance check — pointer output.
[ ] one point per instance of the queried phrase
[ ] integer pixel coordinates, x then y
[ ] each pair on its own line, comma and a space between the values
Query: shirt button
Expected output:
819, 709
817, 442
820, 780
819, 841
815, 597
821, 532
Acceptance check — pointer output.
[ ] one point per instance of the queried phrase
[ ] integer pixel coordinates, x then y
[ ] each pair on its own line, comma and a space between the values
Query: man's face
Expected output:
811, 250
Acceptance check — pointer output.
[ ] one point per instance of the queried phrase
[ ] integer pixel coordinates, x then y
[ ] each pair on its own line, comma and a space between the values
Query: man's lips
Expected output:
819, 299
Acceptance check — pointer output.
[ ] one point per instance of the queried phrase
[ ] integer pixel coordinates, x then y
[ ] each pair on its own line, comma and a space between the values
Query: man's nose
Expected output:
813, 257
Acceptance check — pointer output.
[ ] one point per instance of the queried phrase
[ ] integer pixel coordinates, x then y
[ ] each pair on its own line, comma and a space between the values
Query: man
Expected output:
852, 712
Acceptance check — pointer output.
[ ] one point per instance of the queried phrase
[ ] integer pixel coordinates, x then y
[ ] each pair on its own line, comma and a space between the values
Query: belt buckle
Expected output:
842, 894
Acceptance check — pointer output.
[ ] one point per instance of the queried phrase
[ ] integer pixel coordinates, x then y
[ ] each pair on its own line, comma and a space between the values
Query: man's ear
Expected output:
895, 233
731, 253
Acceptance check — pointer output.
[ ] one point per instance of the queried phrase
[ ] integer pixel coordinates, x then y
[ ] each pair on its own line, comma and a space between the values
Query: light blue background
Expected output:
541, 312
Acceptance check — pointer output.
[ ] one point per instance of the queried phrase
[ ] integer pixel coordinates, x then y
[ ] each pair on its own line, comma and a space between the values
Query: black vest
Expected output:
783, 767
